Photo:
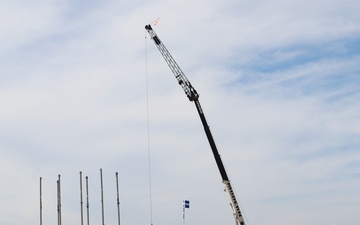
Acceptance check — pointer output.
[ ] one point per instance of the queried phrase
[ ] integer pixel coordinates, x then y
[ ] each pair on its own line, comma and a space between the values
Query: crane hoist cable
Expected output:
148, 132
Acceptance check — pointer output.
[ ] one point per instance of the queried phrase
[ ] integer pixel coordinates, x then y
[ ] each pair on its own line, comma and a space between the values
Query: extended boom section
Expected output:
179, 75
192, 94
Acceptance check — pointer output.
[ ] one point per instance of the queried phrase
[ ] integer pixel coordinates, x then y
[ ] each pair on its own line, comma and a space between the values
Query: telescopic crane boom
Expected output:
193, 96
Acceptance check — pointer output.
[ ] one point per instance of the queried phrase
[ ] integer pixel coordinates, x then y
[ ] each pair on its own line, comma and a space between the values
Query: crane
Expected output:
193, 96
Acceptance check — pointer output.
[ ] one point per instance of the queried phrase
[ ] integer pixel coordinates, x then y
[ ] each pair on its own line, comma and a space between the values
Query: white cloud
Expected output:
283, 112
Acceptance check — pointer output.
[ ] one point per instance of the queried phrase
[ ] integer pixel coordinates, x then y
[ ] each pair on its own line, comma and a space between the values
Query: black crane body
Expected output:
193, 96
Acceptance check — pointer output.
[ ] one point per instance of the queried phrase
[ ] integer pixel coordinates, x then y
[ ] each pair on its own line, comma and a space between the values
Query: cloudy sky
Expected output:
82, 88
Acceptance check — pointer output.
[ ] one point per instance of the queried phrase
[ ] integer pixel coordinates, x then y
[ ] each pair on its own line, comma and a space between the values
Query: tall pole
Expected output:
81, 201
59, 200
186, 204
40, 200
87, 200
118, 198
183, 214
102, 197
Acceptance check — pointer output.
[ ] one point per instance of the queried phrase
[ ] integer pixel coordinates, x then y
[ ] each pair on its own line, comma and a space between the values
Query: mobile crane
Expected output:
193, 96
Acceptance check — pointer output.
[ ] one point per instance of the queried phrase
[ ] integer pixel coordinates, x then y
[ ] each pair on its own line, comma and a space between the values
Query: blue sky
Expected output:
278, 81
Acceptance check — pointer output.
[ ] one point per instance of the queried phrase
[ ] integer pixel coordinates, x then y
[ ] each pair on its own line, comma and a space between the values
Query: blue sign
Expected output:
186, 203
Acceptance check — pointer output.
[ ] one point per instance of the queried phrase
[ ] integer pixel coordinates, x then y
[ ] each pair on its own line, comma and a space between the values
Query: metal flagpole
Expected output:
186, 204
183, 214
117, 195
59, 200
87, 200
81, 201
40, 201
102, 197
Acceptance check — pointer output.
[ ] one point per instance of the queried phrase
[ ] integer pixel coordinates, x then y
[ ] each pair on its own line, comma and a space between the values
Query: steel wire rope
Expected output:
148, 130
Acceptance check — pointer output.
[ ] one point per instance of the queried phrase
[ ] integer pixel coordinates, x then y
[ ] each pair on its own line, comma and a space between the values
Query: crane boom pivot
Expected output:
193, 96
